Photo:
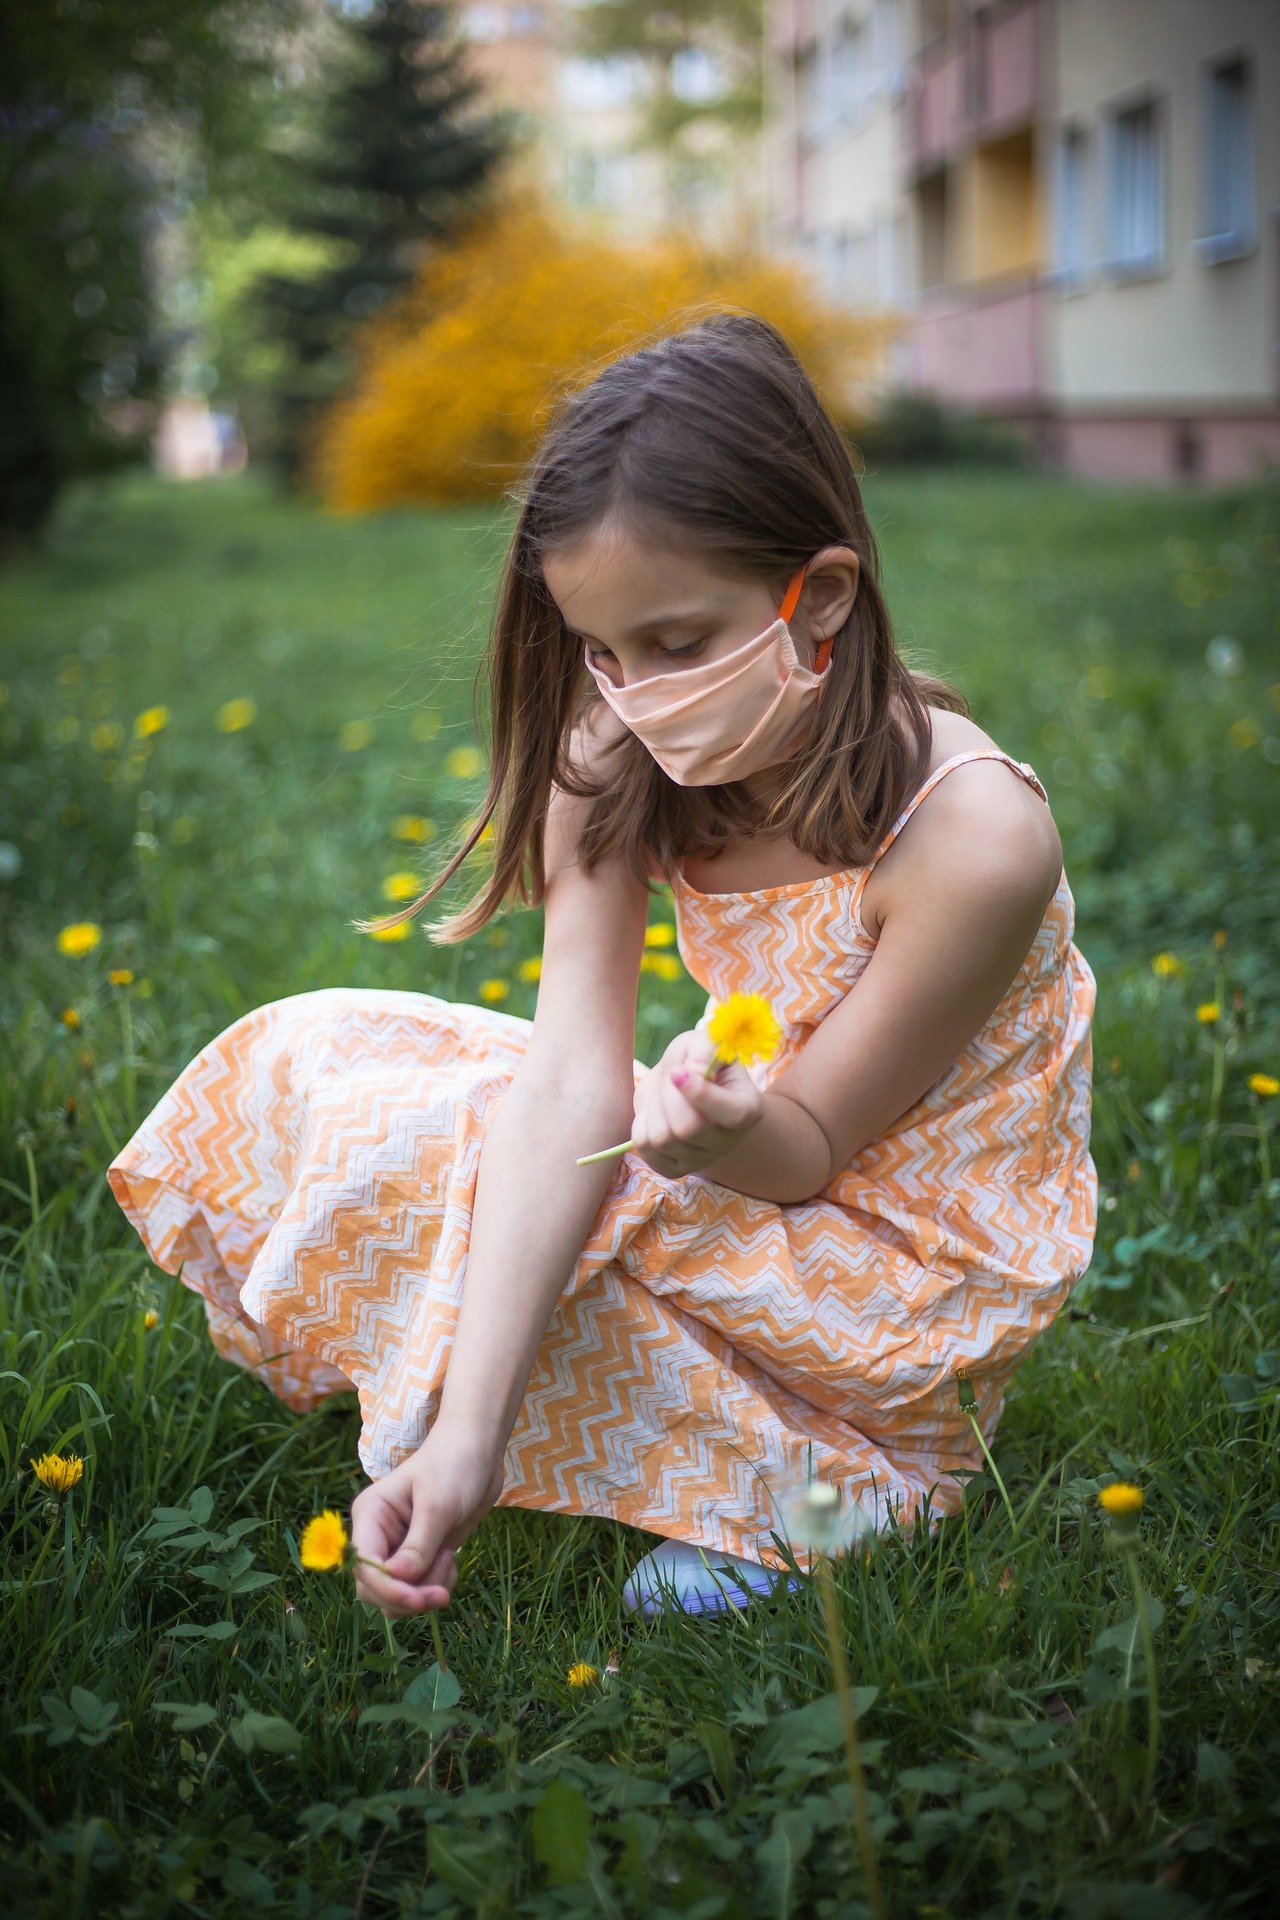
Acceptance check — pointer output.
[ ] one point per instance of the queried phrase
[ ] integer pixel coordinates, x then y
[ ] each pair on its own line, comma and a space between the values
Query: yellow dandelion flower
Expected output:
80, 937
463, 763
121, 976
150, 1319
425, 726
494, 989
1264, 1083
743, 1028
1220, 938
59, 1472
582, 1674
70, 1018
666, 966
1168, 966
150, 720
400, 931
401, 886
355, 735
1134, 1170
1121, 1498
233, 715
531, 969
660, 935
324, 1542
1245, 733
1209, 1012
411, 827
106, 736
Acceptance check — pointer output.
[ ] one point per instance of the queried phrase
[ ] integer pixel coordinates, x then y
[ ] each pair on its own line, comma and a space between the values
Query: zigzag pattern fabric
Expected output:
311, 1174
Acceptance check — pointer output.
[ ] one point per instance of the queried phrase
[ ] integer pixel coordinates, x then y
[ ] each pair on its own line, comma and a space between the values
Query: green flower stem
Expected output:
129, 1063
995, 1471
48, 1542
1149, 1658
434, 1612
1219, 1050
861, 1811
1264, 1152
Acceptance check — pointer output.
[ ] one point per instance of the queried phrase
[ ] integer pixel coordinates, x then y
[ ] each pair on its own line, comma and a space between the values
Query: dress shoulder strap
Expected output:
1022, 767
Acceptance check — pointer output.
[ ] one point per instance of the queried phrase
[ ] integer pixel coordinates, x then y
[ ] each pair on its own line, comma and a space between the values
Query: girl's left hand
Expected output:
683, 1121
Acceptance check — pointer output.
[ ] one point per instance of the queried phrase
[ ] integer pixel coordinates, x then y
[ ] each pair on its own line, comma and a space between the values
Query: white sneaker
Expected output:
691, 1579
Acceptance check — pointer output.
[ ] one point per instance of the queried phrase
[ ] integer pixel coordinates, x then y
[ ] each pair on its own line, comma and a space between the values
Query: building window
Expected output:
1135, 191
1070, 248
592, 179
1230, 218
592, 86
484, 23
848, 73
809, 114
697, 76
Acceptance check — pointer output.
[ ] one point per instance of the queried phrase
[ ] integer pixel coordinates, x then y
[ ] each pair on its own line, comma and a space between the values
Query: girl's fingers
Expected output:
409, 1596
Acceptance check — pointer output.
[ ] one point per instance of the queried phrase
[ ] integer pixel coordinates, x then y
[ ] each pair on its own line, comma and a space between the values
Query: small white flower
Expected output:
1224, 656
816, 1515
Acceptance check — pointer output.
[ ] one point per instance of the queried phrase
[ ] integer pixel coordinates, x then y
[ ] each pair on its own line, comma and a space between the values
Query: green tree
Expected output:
86, 98
400, 152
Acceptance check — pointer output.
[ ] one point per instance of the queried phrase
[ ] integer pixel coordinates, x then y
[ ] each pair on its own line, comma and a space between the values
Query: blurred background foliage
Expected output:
304, 214
453, 381
111, 112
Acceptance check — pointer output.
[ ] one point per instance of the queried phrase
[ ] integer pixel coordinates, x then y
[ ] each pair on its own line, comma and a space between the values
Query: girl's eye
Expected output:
672, 653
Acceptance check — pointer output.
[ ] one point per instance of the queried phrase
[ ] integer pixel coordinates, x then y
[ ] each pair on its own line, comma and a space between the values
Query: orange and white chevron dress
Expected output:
311, 1174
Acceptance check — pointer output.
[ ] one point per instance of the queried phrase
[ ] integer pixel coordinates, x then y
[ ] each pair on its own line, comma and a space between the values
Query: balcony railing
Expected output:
980, 346
978, 83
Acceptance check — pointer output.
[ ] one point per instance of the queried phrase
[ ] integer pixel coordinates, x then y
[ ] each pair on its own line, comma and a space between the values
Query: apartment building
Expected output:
1076, 203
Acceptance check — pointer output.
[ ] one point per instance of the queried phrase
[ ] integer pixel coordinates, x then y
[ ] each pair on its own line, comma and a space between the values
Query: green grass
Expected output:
184, 1725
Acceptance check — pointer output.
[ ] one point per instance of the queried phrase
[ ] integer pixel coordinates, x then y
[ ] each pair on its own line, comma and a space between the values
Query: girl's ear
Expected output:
830, 588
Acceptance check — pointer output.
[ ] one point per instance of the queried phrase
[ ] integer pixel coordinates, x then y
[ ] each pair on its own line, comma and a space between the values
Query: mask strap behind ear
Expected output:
788, 607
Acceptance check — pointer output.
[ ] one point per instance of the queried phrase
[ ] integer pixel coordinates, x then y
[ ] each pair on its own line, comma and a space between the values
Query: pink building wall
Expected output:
980, 348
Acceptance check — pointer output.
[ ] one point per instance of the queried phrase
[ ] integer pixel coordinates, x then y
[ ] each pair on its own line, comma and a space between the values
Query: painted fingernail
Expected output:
680, 1078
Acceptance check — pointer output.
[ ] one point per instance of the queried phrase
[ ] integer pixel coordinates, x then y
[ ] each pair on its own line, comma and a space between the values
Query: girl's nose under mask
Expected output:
726, 718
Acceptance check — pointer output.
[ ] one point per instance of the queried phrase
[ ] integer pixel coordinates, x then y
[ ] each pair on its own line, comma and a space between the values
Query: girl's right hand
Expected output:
415, 1516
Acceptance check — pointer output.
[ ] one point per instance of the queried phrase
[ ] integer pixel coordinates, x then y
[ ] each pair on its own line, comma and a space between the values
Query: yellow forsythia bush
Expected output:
455, 379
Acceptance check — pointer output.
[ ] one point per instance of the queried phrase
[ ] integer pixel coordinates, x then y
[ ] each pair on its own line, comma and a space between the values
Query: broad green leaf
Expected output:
561, 1828
815, 1728
188, 1714
265, 1733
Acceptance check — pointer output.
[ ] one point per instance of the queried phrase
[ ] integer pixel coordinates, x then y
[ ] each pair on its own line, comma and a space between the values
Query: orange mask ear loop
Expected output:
788, 607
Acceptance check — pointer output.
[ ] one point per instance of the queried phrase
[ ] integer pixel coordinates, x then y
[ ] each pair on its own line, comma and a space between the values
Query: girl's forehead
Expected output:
628, 573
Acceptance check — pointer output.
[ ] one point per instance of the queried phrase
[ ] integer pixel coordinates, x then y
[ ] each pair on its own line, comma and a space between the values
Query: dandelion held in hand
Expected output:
743, 1028
326, 1544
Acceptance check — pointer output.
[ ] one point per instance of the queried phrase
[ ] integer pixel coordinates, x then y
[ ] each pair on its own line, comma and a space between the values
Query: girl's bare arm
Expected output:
572, 1093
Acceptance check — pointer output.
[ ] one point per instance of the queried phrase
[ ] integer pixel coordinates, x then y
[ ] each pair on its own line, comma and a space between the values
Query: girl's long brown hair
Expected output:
711, 440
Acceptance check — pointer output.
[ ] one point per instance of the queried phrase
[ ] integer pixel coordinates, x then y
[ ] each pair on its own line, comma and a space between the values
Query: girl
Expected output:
693, 679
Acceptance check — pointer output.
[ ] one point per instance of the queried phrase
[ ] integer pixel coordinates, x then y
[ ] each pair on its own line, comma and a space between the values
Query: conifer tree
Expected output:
400, 151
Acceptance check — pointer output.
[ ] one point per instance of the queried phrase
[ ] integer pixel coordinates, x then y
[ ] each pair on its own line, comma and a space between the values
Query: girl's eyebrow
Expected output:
649, 626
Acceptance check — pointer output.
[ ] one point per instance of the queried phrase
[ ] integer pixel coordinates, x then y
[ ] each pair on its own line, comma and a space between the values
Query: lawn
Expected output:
193, 1724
